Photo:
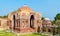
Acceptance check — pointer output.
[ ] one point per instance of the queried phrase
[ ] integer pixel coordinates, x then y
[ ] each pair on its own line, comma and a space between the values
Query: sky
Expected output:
48, 8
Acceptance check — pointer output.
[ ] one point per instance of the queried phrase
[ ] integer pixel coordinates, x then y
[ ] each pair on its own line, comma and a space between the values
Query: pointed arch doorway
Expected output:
14, 21
32, 21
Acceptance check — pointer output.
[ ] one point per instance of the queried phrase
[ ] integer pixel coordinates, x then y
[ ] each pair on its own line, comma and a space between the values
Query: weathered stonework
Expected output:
25, 20
4, 24
47, 24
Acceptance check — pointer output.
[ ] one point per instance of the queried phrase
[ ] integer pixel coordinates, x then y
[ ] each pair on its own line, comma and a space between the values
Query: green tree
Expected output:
4, 16
42, 18
57, 22
57, 17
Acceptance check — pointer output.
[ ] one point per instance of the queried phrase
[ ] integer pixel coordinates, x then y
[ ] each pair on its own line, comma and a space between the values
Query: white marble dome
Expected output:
46, 19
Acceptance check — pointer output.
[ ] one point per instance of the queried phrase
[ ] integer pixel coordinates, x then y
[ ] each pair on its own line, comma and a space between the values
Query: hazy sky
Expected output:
48, 8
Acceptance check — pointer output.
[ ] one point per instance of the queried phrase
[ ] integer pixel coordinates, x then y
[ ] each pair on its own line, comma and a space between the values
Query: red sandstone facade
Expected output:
25, 20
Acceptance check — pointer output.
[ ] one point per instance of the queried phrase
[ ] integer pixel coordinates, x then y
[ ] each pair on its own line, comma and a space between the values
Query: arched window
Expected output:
32, 21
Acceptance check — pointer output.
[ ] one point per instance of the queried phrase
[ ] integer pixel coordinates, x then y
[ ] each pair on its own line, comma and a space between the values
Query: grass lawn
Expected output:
32, 34
3, 33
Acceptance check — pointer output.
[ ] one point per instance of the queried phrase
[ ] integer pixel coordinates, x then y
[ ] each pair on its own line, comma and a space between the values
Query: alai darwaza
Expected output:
25, 19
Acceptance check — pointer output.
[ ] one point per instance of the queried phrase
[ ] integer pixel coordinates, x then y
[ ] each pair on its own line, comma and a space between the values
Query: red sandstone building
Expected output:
25, 20
47, 24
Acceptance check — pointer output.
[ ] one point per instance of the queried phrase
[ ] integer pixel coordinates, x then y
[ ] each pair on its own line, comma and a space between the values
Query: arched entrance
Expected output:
32, 21
49, 30
14, 20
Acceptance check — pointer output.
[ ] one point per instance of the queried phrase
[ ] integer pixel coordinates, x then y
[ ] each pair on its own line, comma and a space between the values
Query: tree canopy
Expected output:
4, 16
57, 16
42, 18
57, 22
57, 19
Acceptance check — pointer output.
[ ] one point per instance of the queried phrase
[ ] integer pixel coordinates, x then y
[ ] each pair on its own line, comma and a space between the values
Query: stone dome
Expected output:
46, 19
25, 8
